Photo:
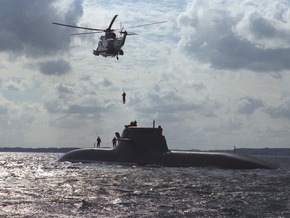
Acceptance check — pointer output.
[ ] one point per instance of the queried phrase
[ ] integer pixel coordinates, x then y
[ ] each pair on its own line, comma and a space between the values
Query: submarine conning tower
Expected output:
142, 139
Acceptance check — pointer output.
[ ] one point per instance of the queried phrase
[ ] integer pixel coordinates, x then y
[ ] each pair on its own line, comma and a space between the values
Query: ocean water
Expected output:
36, 185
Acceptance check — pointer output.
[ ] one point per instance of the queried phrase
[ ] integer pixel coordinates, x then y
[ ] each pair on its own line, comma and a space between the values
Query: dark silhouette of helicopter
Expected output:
110, 44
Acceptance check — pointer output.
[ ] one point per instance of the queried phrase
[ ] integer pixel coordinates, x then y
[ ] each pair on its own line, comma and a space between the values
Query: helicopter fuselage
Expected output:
110, 45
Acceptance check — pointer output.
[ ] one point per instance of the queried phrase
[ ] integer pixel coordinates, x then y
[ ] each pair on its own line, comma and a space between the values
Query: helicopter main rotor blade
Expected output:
75, 34
147, 24
111, 24
128, 33
78, 27
132, 34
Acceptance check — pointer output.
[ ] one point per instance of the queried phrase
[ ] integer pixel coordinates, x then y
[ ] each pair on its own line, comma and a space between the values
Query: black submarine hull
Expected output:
147, 146
169, 159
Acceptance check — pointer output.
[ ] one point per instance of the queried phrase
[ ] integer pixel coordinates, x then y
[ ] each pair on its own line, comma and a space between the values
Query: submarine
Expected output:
146, 146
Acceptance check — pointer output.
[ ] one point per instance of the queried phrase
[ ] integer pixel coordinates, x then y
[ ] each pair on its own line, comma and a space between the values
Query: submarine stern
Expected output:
215, 159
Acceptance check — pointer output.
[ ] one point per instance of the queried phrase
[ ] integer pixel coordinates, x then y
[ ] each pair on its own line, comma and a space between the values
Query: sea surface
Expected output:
36, 185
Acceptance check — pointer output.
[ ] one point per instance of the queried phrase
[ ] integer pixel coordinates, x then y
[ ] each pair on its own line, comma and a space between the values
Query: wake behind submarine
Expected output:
147, 146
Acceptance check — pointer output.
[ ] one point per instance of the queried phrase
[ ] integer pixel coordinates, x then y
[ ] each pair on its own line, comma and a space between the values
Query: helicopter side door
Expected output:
118, 43
102, 46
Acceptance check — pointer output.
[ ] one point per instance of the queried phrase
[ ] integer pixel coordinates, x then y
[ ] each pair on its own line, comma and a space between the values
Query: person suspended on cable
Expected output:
124, 97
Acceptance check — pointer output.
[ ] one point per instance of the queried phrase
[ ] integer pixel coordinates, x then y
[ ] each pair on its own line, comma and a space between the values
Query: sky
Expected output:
214, 76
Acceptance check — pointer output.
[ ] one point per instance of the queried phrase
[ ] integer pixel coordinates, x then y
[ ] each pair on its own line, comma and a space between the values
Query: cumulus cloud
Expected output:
281, 111
237, 34
79, 99
13, 84
265, 24
65, 89
168, 103
249, 105
17, 116
26, 26
56, 67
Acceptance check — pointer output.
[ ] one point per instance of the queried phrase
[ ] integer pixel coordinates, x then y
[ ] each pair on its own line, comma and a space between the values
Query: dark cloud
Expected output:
231, 35
26, 26
57, 67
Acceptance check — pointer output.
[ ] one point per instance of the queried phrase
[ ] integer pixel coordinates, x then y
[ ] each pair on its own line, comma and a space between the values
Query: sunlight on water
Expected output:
37, 185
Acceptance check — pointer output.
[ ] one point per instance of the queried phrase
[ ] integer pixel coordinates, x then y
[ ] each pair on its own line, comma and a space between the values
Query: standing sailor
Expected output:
114, 142
99, 142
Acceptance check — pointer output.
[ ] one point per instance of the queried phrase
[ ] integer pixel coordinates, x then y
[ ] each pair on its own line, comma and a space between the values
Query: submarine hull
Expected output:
168, 159
147, 146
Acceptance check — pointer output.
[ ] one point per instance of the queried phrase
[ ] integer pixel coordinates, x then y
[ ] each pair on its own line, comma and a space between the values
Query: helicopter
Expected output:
110, 45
